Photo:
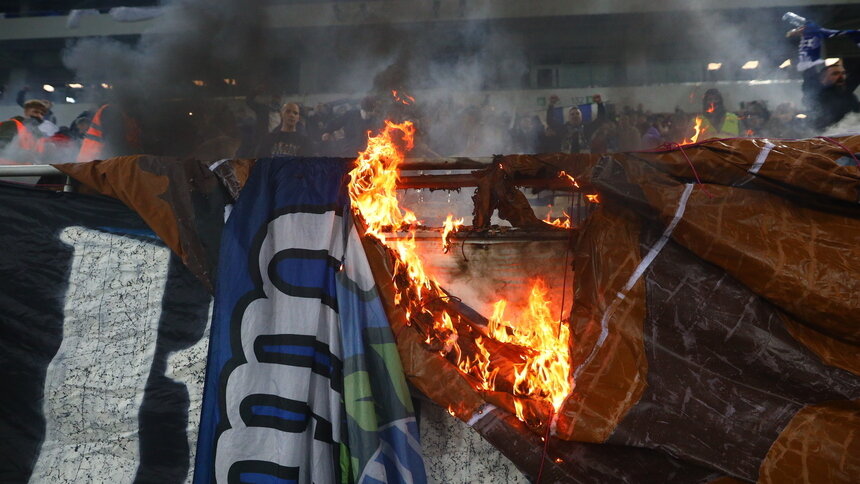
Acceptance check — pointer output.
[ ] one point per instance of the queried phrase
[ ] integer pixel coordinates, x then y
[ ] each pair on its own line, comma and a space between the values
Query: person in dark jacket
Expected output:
354, 124
574, 135
829, 95
286, 139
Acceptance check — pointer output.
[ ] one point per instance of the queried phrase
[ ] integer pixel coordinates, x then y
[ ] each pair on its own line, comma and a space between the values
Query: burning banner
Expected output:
708, 335
537, 366
624, 389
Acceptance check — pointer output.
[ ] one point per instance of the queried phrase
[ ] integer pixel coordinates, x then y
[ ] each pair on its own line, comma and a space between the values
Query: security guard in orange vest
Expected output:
111, 133
19, 136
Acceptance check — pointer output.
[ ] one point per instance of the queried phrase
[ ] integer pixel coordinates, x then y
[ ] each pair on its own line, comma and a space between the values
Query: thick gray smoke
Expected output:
203, 40
850, 125
447, 64
219, 39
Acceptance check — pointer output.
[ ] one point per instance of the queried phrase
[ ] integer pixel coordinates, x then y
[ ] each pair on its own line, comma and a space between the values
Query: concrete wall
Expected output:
317, 14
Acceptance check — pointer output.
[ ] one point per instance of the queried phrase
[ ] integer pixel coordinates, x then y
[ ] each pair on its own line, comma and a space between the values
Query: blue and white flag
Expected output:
809, 49
304, 383
589, 112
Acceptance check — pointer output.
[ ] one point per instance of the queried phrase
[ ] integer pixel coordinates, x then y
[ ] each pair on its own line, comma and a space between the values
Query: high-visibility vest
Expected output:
730, 129
26, 140
93, 143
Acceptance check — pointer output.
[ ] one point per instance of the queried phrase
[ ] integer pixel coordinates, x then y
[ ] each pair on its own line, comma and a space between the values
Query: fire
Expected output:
564, 175
547, 371
593, 197
711, 107
448, 228
699, 131
563, 222
539, 360
402, 98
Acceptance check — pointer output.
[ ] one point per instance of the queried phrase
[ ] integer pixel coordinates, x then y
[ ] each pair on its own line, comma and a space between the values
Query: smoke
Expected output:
446, 65
206, 41
850, 125
213, 40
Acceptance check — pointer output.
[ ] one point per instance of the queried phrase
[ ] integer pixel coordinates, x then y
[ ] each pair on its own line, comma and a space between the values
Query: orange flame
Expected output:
711, 107
699, 131
563, 174
448, 228
563, 222
402, 98
593, 197
547, 371
543, 369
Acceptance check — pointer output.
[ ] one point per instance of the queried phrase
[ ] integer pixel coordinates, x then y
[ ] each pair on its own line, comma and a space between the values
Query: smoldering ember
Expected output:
447, 241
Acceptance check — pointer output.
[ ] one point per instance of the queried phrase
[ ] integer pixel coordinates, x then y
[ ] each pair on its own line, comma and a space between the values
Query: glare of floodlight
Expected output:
750, 65
48, 88
714, 66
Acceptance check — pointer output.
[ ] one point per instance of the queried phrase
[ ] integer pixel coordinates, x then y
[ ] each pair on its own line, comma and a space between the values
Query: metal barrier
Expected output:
34, 170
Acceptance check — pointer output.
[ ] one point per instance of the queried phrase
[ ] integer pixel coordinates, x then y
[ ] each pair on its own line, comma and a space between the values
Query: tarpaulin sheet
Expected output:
102, 344
713, 321
304, 383
180, 199
568, 462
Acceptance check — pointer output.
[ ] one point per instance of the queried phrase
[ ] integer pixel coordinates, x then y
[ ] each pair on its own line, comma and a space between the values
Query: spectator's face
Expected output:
35, 112
290, 115
574, 116
834, 76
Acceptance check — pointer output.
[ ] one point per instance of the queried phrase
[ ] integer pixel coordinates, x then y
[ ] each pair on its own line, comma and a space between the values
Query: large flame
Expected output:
542, 368
547, 370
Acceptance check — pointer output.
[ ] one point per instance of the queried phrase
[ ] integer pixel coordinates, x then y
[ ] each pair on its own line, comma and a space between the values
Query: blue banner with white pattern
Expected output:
303, 382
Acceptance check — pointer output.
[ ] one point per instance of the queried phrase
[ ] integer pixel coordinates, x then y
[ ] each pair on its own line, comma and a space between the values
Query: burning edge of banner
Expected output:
527, 356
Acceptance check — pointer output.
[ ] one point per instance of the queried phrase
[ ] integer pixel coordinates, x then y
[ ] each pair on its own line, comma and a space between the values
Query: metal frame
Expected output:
34, 170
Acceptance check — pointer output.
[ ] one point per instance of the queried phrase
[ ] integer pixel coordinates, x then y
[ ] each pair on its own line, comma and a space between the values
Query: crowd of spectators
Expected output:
277, 126
448, 128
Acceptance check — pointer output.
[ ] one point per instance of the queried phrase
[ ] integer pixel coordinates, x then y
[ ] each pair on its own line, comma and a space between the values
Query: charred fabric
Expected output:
711, 331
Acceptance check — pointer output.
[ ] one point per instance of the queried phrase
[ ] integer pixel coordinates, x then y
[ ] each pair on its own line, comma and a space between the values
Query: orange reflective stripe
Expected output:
26, 140
91, 147
41, 145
